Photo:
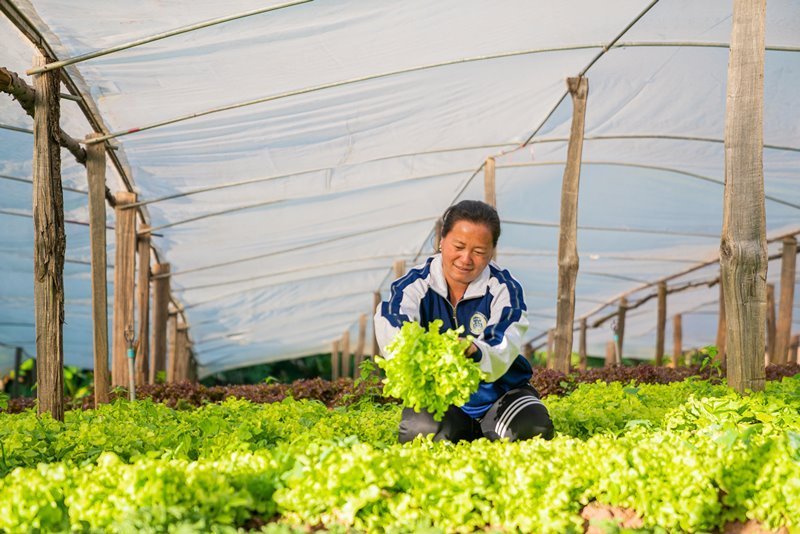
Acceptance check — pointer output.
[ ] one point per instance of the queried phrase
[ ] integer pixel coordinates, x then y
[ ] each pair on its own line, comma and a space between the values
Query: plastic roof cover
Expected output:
348, 178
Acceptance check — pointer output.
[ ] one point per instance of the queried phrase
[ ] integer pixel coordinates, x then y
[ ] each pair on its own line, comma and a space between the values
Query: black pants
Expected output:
517, 415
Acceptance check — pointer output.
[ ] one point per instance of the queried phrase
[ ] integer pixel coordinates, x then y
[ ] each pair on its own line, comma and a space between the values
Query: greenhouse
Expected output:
189, 189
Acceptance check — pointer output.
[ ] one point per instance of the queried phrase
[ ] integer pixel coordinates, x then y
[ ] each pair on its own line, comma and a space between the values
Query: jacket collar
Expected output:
477, 288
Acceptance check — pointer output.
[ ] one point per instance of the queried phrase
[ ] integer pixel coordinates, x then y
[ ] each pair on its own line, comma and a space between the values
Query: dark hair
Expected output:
473, 211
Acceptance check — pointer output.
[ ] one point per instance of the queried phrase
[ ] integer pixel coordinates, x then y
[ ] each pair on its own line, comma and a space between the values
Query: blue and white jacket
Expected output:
492, 310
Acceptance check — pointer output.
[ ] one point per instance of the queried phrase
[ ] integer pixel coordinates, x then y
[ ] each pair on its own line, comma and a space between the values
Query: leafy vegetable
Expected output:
428, 370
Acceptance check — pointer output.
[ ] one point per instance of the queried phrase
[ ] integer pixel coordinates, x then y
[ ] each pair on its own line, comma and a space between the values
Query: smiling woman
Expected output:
462, 287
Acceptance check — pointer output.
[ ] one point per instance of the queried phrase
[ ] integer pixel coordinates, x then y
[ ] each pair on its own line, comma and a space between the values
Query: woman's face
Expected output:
466, 251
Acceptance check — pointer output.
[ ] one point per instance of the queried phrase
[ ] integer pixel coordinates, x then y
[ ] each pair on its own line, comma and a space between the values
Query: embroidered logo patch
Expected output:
477, 324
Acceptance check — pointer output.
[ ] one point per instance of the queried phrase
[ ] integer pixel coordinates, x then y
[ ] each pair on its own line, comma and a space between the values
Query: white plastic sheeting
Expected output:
344, 179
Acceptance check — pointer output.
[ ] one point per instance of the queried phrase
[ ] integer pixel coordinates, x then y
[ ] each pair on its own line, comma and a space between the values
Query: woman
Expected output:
462, 287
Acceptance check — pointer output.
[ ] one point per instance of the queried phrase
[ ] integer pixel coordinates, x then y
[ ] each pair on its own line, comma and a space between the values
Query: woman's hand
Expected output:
471, 350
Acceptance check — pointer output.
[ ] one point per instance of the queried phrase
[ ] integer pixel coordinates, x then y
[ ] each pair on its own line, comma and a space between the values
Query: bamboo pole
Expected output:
346, 371
124, 282
49, 244
173, 345
361, 343
619, 332
335, 360
376, 301
661, 323
160, 318
677, 341
743, 248
96, 178
770, 356
722, 327
611, 354
582, 345
784, 325
568, 260
143, 349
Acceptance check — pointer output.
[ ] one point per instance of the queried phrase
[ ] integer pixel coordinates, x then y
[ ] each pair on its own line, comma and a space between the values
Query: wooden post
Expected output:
143, 352
49, 243
399, 268
611, 353
181, 352
489, 191
567, 241
437, 235
361, 343
582, 345
346, 371
172, 346
96, 178
722, 328
661, 323
376, 301
160, 318
527, 352
335, 360
17, 365
743, 247
784, 326
794, 349
124, 282
677, 341
771, 356
550, 343
620, 332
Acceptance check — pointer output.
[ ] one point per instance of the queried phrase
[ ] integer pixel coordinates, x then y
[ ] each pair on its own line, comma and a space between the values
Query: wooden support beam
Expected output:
567, 241
173, 346
143, 297
15, 86
489, 190
49, 242
399, 268
582, 346
770, 356
661, 323
346, 371
437, 235
677, 341
182, 352
619, 332
722, 328
376, 301
784, 324
361, 343
160, 318
794, 349
124, 284
335, 360
743, 248
550, 344
611, 354
96, 178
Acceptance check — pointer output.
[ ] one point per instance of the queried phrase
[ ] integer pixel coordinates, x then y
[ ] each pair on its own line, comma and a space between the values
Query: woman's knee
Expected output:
413, 424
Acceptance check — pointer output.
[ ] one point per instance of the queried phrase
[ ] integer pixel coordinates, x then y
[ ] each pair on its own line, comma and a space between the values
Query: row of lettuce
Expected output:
687, 456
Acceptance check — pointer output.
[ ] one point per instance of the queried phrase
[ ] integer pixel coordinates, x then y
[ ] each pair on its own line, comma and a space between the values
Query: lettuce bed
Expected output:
687, 456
